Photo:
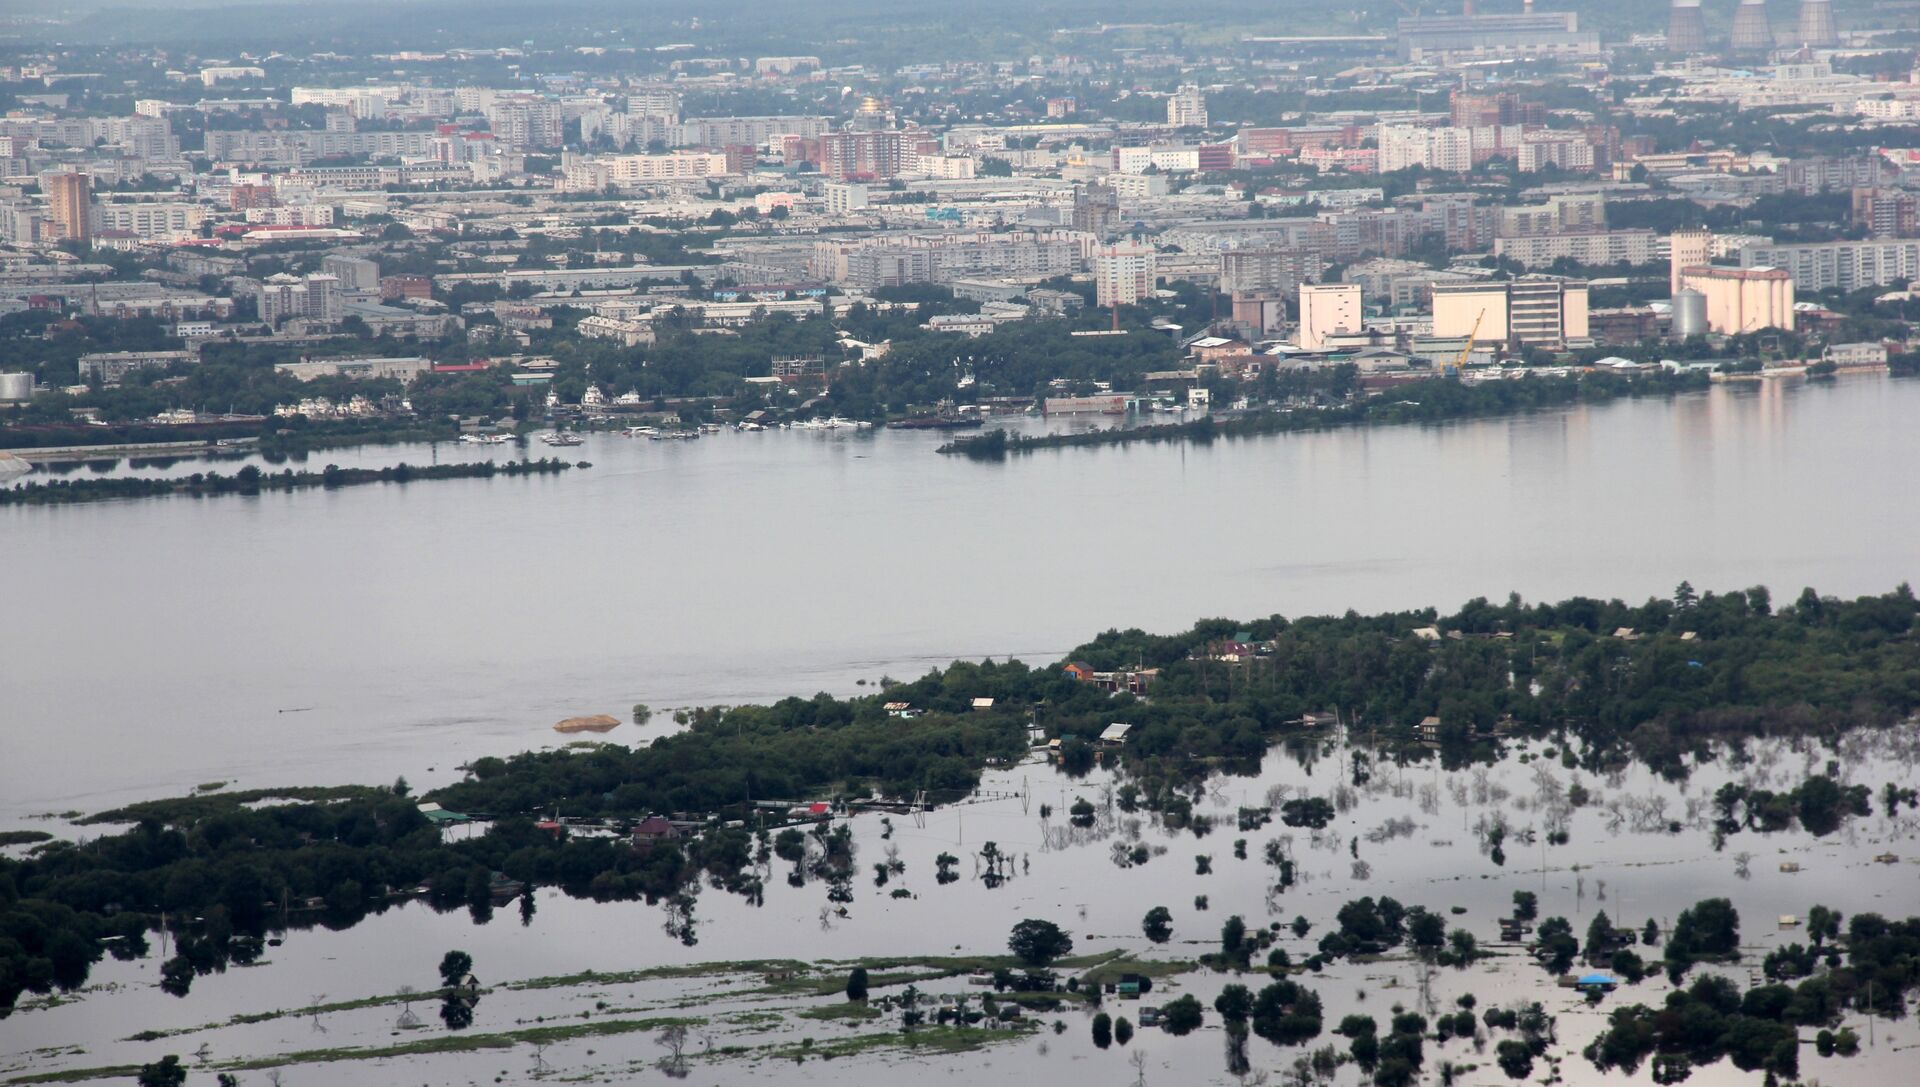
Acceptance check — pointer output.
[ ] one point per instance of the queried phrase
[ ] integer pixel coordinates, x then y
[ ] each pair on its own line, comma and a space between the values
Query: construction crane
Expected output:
1466, 349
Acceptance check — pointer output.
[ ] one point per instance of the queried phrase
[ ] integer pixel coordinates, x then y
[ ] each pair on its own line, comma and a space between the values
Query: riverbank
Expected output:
1437, 400
252, 481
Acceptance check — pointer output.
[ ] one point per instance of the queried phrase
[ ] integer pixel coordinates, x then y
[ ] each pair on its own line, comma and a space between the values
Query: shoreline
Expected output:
1440, 401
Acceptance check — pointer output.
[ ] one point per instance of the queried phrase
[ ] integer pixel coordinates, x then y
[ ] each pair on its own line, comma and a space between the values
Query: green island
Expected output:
1604, 682
1323, 400
250, 480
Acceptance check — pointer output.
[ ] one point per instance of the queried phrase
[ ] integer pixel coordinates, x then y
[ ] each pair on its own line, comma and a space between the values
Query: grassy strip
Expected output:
446, 1043
764, 967
849, 1010
23, 837
923, 1040
185, 809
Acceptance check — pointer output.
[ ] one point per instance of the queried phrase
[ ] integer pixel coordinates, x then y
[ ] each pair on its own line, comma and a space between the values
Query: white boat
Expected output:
639, 432
709, 428
563, 438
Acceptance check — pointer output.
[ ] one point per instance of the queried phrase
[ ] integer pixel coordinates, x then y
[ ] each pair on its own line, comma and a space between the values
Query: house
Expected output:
1429, 730
1131, 985
440, 816
1115, 734
1626, 634
1315, 720
1133, 681
655, 828
1596, 983
1427, 634
981, 705
902, 709
1079, 670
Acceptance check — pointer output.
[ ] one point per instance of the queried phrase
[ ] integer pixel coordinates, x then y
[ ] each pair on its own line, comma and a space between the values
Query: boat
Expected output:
638, 431
709, 428
673, 435
564, 438
486, 439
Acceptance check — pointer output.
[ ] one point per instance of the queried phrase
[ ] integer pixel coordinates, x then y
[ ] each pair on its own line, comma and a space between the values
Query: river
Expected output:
148, 646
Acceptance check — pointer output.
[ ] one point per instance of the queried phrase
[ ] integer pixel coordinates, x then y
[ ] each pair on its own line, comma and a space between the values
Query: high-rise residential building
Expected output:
1848, 266
1529, 311
874, 155
1187, 108
1326, 309
69, 205
1265, 268
526, 123
354, 273
844, 197
1744, 299
1687, 249
1886, 213
314, 296
1445, 149
1096, 208
1123, 274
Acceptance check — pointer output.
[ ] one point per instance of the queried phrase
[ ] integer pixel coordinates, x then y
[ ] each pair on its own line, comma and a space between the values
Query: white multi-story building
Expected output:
1820, 266
151, 220
845, 197
1187, 108
526, 123
1402, 147
1584, 247
1123, 274
316, 297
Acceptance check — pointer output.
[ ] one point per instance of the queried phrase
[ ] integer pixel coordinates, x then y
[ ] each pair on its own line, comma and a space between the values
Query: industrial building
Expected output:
1530, 311
1742, 300
1441, 38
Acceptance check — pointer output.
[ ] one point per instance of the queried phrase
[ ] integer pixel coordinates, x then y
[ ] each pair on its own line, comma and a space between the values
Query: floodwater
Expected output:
1411, 832
149, 646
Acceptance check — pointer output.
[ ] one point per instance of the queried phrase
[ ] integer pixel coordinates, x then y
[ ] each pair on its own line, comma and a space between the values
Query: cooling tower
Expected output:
1751, 34
1816, 24
1686, 30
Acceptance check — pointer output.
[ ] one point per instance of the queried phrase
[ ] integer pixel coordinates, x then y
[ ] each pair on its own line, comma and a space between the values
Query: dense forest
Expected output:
1607, 680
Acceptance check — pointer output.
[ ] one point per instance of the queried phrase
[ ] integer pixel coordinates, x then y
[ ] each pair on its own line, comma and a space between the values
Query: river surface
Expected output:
148, 646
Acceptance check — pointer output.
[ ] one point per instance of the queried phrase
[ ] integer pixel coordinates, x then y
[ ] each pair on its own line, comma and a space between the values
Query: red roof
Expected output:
819, 807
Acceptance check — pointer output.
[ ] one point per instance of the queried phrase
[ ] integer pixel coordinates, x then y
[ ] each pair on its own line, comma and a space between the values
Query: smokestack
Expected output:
1751, 34
1466, 8
1526, 7
1686, 29
1816, 24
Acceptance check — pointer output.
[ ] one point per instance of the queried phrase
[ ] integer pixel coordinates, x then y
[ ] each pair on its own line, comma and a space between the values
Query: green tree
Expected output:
1102, 1030
857, 984
455, 966
165, 1072
1037, 943
1183, 1016
1123, 1030
1158, 924
1234, 1003
1526, 905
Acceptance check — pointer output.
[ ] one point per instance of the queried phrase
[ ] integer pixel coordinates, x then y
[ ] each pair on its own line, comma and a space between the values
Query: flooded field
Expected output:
586, 992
